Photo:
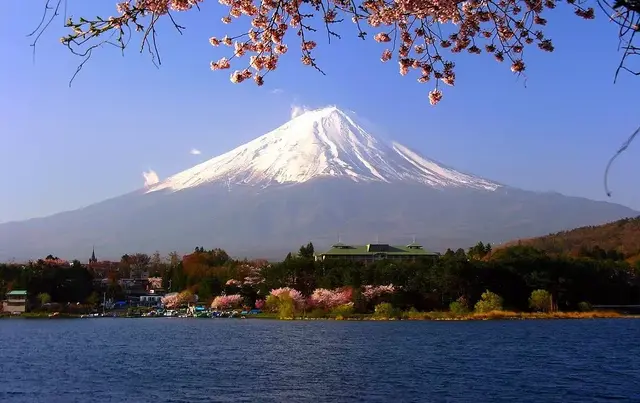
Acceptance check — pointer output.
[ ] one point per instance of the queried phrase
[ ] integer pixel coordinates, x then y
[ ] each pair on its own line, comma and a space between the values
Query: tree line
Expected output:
456, 280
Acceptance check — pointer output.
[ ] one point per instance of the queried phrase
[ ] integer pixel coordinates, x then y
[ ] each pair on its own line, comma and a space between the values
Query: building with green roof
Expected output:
376, 251
16, 302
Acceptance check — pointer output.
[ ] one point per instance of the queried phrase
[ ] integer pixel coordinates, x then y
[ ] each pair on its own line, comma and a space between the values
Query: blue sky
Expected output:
62, 148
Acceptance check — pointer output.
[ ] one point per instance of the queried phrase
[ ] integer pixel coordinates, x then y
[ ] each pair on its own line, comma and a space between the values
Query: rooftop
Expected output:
17, 292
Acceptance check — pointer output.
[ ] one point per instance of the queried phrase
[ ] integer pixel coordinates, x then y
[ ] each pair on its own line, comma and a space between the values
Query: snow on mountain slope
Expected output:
321, 143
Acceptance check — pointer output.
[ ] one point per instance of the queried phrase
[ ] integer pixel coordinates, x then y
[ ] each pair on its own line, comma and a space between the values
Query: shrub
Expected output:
286, 307
459, 306
540, 300
343, 311
385, 311
584, 307
414, 314
489, 301
271, 303
44, 298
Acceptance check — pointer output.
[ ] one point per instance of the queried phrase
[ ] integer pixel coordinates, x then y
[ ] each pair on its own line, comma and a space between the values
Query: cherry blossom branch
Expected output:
415, 28
42, 26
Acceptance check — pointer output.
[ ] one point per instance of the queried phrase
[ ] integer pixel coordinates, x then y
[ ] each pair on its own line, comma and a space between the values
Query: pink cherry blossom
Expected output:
371, 291
170, 301
176, 300
227, 301
420, 30
328, 299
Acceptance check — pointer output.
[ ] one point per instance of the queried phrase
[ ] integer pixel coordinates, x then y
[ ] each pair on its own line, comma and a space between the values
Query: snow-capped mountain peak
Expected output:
320, 143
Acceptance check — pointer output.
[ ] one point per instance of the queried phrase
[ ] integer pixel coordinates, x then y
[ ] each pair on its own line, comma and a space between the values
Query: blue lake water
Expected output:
227, 360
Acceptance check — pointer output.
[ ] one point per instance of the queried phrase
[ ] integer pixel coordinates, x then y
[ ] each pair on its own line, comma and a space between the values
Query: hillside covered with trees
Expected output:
619, 240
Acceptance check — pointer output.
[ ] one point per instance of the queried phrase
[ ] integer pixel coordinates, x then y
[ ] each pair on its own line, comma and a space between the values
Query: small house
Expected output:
16, 302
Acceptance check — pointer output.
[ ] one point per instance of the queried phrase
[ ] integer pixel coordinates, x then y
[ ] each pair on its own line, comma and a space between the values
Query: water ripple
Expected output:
223, 360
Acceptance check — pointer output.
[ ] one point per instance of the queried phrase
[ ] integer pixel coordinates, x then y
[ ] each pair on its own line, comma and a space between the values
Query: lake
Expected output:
231, 360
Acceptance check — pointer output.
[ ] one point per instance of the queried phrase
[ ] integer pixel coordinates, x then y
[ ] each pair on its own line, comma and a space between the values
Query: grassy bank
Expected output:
510, 315
493, 315
410, 315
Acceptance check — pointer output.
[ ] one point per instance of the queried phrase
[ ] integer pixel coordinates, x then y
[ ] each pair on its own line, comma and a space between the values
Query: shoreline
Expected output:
405, 316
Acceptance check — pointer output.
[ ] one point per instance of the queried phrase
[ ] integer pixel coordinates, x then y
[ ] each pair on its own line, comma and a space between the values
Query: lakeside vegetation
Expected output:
513, 282
399, 315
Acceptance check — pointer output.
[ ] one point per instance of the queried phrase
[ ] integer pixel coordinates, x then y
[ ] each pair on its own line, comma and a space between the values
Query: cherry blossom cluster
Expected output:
416, 31
295, 295
175, 300
328, 299
260, 303
254, 276
170, 300
227, 301
233, 283
371, 292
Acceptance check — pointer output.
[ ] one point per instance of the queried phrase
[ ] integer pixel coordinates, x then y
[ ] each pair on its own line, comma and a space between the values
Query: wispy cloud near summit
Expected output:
297, 110
195, 151
150, 178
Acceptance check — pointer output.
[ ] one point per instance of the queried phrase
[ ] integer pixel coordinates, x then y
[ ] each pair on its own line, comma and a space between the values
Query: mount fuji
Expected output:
324, 143
318, 177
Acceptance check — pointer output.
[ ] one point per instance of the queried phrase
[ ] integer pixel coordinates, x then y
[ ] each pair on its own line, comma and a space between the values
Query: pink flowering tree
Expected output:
227, 301
295, 295
260, 303
286, 301
176, 300
377, 293
254, 276
330, 299
170, 301
420, 34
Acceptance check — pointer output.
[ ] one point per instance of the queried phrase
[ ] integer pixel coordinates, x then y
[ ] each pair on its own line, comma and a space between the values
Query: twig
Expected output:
44, 28
622, 149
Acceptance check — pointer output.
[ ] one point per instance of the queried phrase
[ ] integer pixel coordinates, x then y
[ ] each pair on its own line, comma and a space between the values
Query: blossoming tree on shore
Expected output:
374, 291
377, 294
227, 301
286, 301
176, 300
295, 295
170, 301
329, 299
417, 32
